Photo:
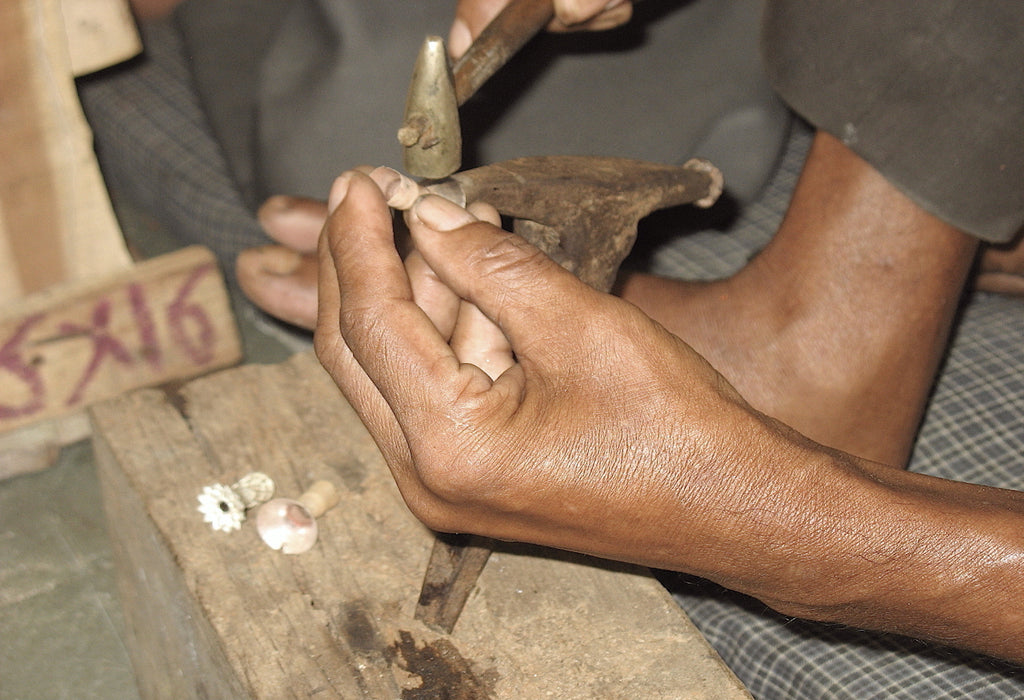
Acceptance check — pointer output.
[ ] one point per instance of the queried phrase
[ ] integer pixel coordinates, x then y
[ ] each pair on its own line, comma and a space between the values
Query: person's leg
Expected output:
156, 150
837, 328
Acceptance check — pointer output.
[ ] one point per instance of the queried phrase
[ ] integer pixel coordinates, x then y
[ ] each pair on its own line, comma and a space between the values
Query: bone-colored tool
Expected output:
582, 211
431, 133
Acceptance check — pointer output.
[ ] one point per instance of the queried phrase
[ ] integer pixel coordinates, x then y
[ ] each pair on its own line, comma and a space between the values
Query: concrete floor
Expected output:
60, 620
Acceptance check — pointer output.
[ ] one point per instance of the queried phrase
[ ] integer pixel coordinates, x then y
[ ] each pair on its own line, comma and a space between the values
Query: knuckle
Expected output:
509, 255
329, 347
363, 327
463, 463
457, 478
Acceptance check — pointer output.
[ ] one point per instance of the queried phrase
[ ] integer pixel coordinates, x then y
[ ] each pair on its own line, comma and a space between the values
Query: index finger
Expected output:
391, 338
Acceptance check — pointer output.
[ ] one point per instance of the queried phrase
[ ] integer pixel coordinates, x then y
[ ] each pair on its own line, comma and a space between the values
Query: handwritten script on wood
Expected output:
165, 319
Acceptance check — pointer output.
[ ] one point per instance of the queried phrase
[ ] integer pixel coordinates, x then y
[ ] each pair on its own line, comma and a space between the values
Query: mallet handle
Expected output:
498, 42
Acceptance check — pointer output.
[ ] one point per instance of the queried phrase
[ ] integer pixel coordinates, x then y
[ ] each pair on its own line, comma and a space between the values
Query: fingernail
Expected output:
441, 214
399, 190
273, 211
387, 179
459, 38
338, 191
276, 203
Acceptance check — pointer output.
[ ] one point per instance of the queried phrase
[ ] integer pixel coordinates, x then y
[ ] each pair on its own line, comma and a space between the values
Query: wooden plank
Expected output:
338, 621
174, 650
56, 221
71, 345
100, 33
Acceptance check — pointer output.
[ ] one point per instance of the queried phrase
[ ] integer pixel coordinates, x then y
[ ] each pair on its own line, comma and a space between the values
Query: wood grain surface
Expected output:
215, 614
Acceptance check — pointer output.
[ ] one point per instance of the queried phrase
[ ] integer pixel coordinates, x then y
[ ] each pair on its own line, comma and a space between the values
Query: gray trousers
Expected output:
930, 93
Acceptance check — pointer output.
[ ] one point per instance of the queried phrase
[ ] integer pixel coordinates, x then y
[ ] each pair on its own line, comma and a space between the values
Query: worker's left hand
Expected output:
471, 16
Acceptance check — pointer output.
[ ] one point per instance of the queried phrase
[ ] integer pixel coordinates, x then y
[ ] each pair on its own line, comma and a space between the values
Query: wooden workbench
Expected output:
220, 615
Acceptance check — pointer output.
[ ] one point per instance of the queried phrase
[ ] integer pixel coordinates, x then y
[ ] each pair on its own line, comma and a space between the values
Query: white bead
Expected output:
221, 507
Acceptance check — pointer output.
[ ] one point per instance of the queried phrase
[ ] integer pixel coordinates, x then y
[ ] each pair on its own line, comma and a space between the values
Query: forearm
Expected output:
901, 552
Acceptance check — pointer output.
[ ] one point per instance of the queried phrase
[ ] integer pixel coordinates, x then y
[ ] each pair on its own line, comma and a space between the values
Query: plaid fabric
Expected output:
720, 251
972, 432
156, 149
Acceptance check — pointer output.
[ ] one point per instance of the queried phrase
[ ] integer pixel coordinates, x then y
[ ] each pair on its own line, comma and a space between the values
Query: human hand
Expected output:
471, 16
596, 430
602, 433
281, 279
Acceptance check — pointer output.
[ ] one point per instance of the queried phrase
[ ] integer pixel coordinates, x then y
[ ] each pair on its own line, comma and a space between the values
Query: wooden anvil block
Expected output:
216, 614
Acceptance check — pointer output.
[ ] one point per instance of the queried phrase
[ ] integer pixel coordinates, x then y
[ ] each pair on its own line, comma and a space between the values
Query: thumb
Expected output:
518, 287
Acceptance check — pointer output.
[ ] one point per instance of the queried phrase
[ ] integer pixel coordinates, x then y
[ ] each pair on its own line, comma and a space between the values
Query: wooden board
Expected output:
215, 614
99, 33
56, 221
77, 321
71, 345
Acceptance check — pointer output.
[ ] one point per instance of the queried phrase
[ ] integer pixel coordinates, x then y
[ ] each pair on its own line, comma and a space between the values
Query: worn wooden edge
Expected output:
70, 345
56, 219
262, 617
59, 295
174, 650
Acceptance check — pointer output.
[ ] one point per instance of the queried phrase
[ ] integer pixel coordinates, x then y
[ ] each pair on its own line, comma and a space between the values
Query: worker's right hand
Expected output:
471, 16
586, 425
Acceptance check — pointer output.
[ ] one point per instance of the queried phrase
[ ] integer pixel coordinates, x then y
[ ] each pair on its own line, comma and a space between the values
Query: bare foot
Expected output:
1001, 269
838, 326
281, 279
